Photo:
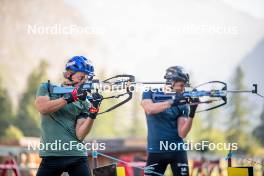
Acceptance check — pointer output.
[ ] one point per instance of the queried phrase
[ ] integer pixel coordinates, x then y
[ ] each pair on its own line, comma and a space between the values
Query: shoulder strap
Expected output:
49, 88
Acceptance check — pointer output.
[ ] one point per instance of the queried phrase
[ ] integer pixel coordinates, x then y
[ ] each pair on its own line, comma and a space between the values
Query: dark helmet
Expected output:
176, 73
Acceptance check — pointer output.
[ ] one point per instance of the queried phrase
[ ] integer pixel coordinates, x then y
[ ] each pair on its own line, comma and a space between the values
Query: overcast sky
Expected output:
144, 37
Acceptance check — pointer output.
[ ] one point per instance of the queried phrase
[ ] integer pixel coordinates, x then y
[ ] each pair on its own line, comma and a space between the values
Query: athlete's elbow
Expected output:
147, 108
80, 136
182, 134
149, 111
42, 110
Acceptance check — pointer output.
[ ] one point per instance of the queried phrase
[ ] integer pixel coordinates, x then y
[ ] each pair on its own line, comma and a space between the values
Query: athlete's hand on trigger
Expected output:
95, 101
77, 94
179, 100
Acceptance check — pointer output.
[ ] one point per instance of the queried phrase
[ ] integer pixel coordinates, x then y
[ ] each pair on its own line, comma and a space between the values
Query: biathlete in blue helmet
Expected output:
168, 122
65, 121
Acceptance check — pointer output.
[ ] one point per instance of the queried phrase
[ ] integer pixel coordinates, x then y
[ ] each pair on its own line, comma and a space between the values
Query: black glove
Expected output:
193, 106
95, 101
179, 100
77, 94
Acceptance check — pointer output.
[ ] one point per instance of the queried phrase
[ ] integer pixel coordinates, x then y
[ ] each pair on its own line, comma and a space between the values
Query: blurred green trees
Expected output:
6, 115
26, 121
27, 118
125, 121
129, 120
259, 130
137, 128
105, 124
13, 133
238, 126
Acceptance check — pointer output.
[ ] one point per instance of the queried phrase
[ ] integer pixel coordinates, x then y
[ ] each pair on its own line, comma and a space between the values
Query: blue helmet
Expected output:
80, 64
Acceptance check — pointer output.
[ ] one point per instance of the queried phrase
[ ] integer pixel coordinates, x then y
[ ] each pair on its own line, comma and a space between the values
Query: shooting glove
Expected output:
179, 100
95, 100
77, 94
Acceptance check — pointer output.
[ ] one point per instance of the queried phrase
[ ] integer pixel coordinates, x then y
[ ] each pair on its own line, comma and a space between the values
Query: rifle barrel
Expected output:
239, 91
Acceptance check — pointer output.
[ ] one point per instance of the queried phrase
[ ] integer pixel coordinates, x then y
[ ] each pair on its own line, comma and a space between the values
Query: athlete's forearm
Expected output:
49, 106
185, 128
154, 108
83, 128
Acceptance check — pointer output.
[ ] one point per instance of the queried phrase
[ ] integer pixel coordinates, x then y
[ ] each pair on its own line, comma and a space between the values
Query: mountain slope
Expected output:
21, 50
